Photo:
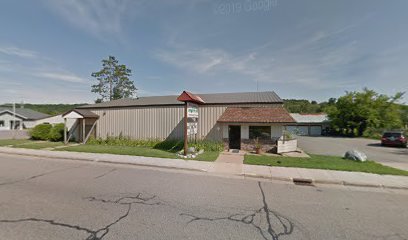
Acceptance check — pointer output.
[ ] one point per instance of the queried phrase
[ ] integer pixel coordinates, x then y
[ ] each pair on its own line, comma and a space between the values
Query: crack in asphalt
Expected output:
106, 173
277, 225
270, 233
38, 175
100, 233
52, 222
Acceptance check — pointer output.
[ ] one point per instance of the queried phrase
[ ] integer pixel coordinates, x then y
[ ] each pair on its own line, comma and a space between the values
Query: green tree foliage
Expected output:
357, 113
404, 115
41, 132
113, 81
302, 106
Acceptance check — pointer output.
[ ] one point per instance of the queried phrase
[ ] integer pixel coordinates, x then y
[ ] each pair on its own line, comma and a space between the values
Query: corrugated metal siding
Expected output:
161, 122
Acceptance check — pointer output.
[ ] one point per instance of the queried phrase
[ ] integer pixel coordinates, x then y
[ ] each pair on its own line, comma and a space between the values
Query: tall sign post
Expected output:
185, 128
191, 102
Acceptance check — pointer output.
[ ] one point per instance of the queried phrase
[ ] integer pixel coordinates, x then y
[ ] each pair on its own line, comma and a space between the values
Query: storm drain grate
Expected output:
303, 181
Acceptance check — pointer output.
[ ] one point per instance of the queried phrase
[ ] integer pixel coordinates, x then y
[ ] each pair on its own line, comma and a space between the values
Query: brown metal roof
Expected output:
213, 98
256, 115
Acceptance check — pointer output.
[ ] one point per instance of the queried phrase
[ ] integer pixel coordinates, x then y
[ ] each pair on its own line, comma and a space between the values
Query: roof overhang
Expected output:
80, 113
256, 115
189, 97
12, 113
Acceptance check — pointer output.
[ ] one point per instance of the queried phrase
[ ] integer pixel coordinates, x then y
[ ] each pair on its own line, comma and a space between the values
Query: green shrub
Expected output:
373, 133
170, 145
123, 141
209, 146
166, 145
56, 133
41, 131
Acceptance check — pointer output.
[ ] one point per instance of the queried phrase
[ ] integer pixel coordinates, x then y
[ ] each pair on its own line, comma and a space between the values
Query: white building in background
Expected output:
309, 124
22, 118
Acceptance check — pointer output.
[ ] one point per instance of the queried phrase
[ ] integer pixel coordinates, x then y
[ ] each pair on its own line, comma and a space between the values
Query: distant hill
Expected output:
51, 109
303, 106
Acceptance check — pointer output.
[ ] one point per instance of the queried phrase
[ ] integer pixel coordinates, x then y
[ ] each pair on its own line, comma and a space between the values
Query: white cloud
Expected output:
61, 76
19, 52
198, 60
312, 62
32, 63
96, 16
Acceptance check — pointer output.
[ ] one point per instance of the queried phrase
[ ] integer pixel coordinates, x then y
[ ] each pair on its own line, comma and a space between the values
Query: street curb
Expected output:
253, 175
153, 166
333, 182
325, 182
245, 175
345, 183
105, 161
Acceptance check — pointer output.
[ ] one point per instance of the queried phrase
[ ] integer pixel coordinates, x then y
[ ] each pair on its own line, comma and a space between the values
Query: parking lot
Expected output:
391, 156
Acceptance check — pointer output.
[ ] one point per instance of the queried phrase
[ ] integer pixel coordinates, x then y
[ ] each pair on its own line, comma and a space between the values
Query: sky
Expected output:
313, 49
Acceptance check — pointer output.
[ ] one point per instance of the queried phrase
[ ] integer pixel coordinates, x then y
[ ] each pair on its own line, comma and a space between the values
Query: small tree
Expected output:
113, 81
356, 112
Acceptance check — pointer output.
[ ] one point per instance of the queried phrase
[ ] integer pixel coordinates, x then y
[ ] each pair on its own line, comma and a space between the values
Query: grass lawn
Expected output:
324, 162
7, 142
38, 145
135, 151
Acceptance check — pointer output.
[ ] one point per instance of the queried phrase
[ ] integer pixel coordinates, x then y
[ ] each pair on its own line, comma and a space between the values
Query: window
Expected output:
392, 134
260, 132
1, 123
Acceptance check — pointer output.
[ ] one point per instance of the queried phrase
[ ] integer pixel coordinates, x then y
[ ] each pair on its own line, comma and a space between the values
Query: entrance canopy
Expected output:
80, 113
256, 115
84, 117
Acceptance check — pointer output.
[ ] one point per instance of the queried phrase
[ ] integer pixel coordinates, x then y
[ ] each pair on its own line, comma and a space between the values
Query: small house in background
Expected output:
309, 124
237, 119
22, 118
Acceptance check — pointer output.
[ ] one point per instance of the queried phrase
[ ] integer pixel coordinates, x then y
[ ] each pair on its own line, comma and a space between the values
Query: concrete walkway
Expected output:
230, 165
228, 162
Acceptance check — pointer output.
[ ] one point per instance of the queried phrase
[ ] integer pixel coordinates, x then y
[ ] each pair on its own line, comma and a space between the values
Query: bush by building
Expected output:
41, 131
56, 133
167, 145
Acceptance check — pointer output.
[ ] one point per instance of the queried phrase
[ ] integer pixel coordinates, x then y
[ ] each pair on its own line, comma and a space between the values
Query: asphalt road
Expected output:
392, 156
64, 199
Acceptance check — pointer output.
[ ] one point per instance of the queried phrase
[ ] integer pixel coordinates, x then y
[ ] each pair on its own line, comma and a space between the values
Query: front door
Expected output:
234, 135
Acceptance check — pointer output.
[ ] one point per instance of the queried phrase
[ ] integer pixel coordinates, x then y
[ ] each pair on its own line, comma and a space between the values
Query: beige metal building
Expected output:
232, 117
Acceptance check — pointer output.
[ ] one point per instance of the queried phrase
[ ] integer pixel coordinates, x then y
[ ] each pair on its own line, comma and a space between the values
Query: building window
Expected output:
260, 132
1, 123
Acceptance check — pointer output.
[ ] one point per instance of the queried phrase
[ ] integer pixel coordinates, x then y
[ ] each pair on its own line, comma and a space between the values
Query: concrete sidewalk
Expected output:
229, 163
252, 171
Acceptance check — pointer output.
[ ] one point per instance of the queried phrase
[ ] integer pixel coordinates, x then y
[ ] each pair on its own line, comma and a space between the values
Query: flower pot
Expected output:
258, 150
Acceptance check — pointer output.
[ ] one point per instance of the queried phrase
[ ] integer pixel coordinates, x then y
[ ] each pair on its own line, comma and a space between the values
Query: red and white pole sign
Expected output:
190, 116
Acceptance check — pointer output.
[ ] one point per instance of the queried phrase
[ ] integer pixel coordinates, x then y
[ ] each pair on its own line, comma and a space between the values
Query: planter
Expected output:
287, 146
258, 150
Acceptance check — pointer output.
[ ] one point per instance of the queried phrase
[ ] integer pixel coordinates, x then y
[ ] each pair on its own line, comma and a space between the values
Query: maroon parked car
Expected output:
394, 138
